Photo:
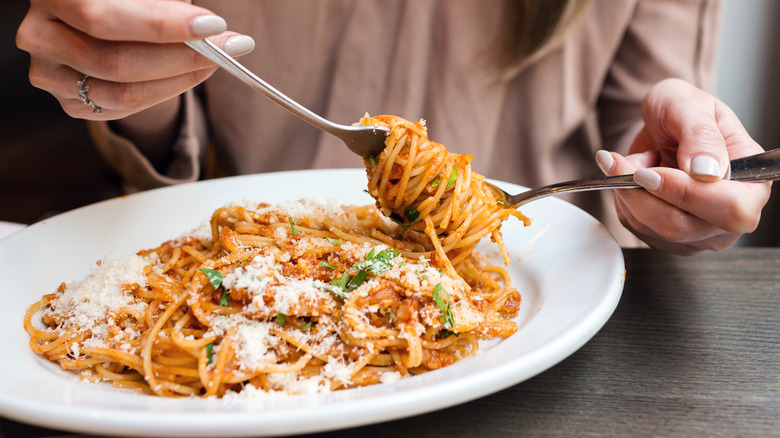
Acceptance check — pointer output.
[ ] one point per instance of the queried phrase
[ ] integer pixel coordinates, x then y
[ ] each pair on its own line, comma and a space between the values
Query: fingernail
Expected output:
605, 161
207, 25
705, 165
238, 45
648, 179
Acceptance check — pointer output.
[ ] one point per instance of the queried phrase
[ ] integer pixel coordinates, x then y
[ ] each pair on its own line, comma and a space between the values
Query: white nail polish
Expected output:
649, 179
207, 25
705, 165
605, 161
238, 45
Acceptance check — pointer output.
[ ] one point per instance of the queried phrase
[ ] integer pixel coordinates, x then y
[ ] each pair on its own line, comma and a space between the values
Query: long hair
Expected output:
531, 29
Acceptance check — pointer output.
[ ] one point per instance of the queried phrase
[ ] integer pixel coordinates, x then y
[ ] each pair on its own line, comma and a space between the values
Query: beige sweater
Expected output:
425, 59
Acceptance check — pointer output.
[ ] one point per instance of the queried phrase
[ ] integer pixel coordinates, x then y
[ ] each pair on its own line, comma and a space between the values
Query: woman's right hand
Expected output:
131, 49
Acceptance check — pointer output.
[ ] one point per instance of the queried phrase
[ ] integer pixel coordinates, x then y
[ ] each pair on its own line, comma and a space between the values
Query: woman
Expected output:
531, 88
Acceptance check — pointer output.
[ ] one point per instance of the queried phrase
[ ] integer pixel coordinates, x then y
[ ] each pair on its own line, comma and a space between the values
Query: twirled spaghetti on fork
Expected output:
430, 189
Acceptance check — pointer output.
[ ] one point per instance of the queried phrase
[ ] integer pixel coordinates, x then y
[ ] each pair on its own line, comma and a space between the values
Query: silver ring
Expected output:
83, 88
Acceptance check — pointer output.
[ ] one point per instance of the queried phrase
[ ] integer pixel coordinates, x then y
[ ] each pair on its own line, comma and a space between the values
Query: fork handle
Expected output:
222, 59
754, 168
606, 182
760, 167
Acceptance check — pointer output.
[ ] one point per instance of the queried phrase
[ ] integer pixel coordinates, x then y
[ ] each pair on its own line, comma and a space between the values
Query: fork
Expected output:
754, 168
366, 141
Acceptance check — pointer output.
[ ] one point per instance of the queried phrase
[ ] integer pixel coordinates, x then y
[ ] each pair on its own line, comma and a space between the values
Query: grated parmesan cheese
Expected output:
203, 231
254, 338
268, 296
261, 277
86, 304
390, 377
294, 383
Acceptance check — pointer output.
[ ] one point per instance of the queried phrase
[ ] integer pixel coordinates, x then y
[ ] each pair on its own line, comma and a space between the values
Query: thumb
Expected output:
157, 21
682, 121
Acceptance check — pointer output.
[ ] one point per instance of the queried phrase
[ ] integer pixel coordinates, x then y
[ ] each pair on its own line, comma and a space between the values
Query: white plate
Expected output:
568, 268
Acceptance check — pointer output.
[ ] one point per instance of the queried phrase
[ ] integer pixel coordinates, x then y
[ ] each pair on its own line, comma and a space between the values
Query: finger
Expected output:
652, 216
682, 117
116, 99
673, 199
729, 205
119, 100
683, 246
645, 214
606, 162
128, 61
738, 141
123, 99
158, 21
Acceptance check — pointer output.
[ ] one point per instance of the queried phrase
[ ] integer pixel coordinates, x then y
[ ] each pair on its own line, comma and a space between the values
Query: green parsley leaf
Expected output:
215, 277
444, 305
360, 277
435, 182
280, 319
386, 254
377, 263
453, 177
307, 326
209, 352
412, 215
374, 262
326, 264
401, 223
373, 163
336, 287
223, 299
341, 282
292, 227
334, 241
383, 261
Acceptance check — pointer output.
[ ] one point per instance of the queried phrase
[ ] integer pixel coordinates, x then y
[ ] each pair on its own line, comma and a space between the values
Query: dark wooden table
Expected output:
693, 349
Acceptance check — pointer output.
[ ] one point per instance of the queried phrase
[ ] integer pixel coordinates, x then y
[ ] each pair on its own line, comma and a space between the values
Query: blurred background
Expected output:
748, 72
47, 163
48, 166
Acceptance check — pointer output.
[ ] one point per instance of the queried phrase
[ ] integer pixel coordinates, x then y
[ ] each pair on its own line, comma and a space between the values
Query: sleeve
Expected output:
136, 171
664, 39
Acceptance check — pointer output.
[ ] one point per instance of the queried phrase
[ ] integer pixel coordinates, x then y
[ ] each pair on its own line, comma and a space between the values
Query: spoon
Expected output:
760, 167
365, 141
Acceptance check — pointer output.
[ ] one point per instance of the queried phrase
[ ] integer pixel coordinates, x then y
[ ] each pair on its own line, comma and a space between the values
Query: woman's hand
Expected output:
681, 157
132, 51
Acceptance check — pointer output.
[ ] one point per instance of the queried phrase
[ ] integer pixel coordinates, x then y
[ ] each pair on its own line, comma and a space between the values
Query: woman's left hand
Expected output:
681, 157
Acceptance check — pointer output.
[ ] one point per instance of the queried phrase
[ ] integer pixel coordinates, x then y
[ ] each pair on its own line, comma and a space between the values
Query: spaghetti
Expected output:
298, 297
426, 188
